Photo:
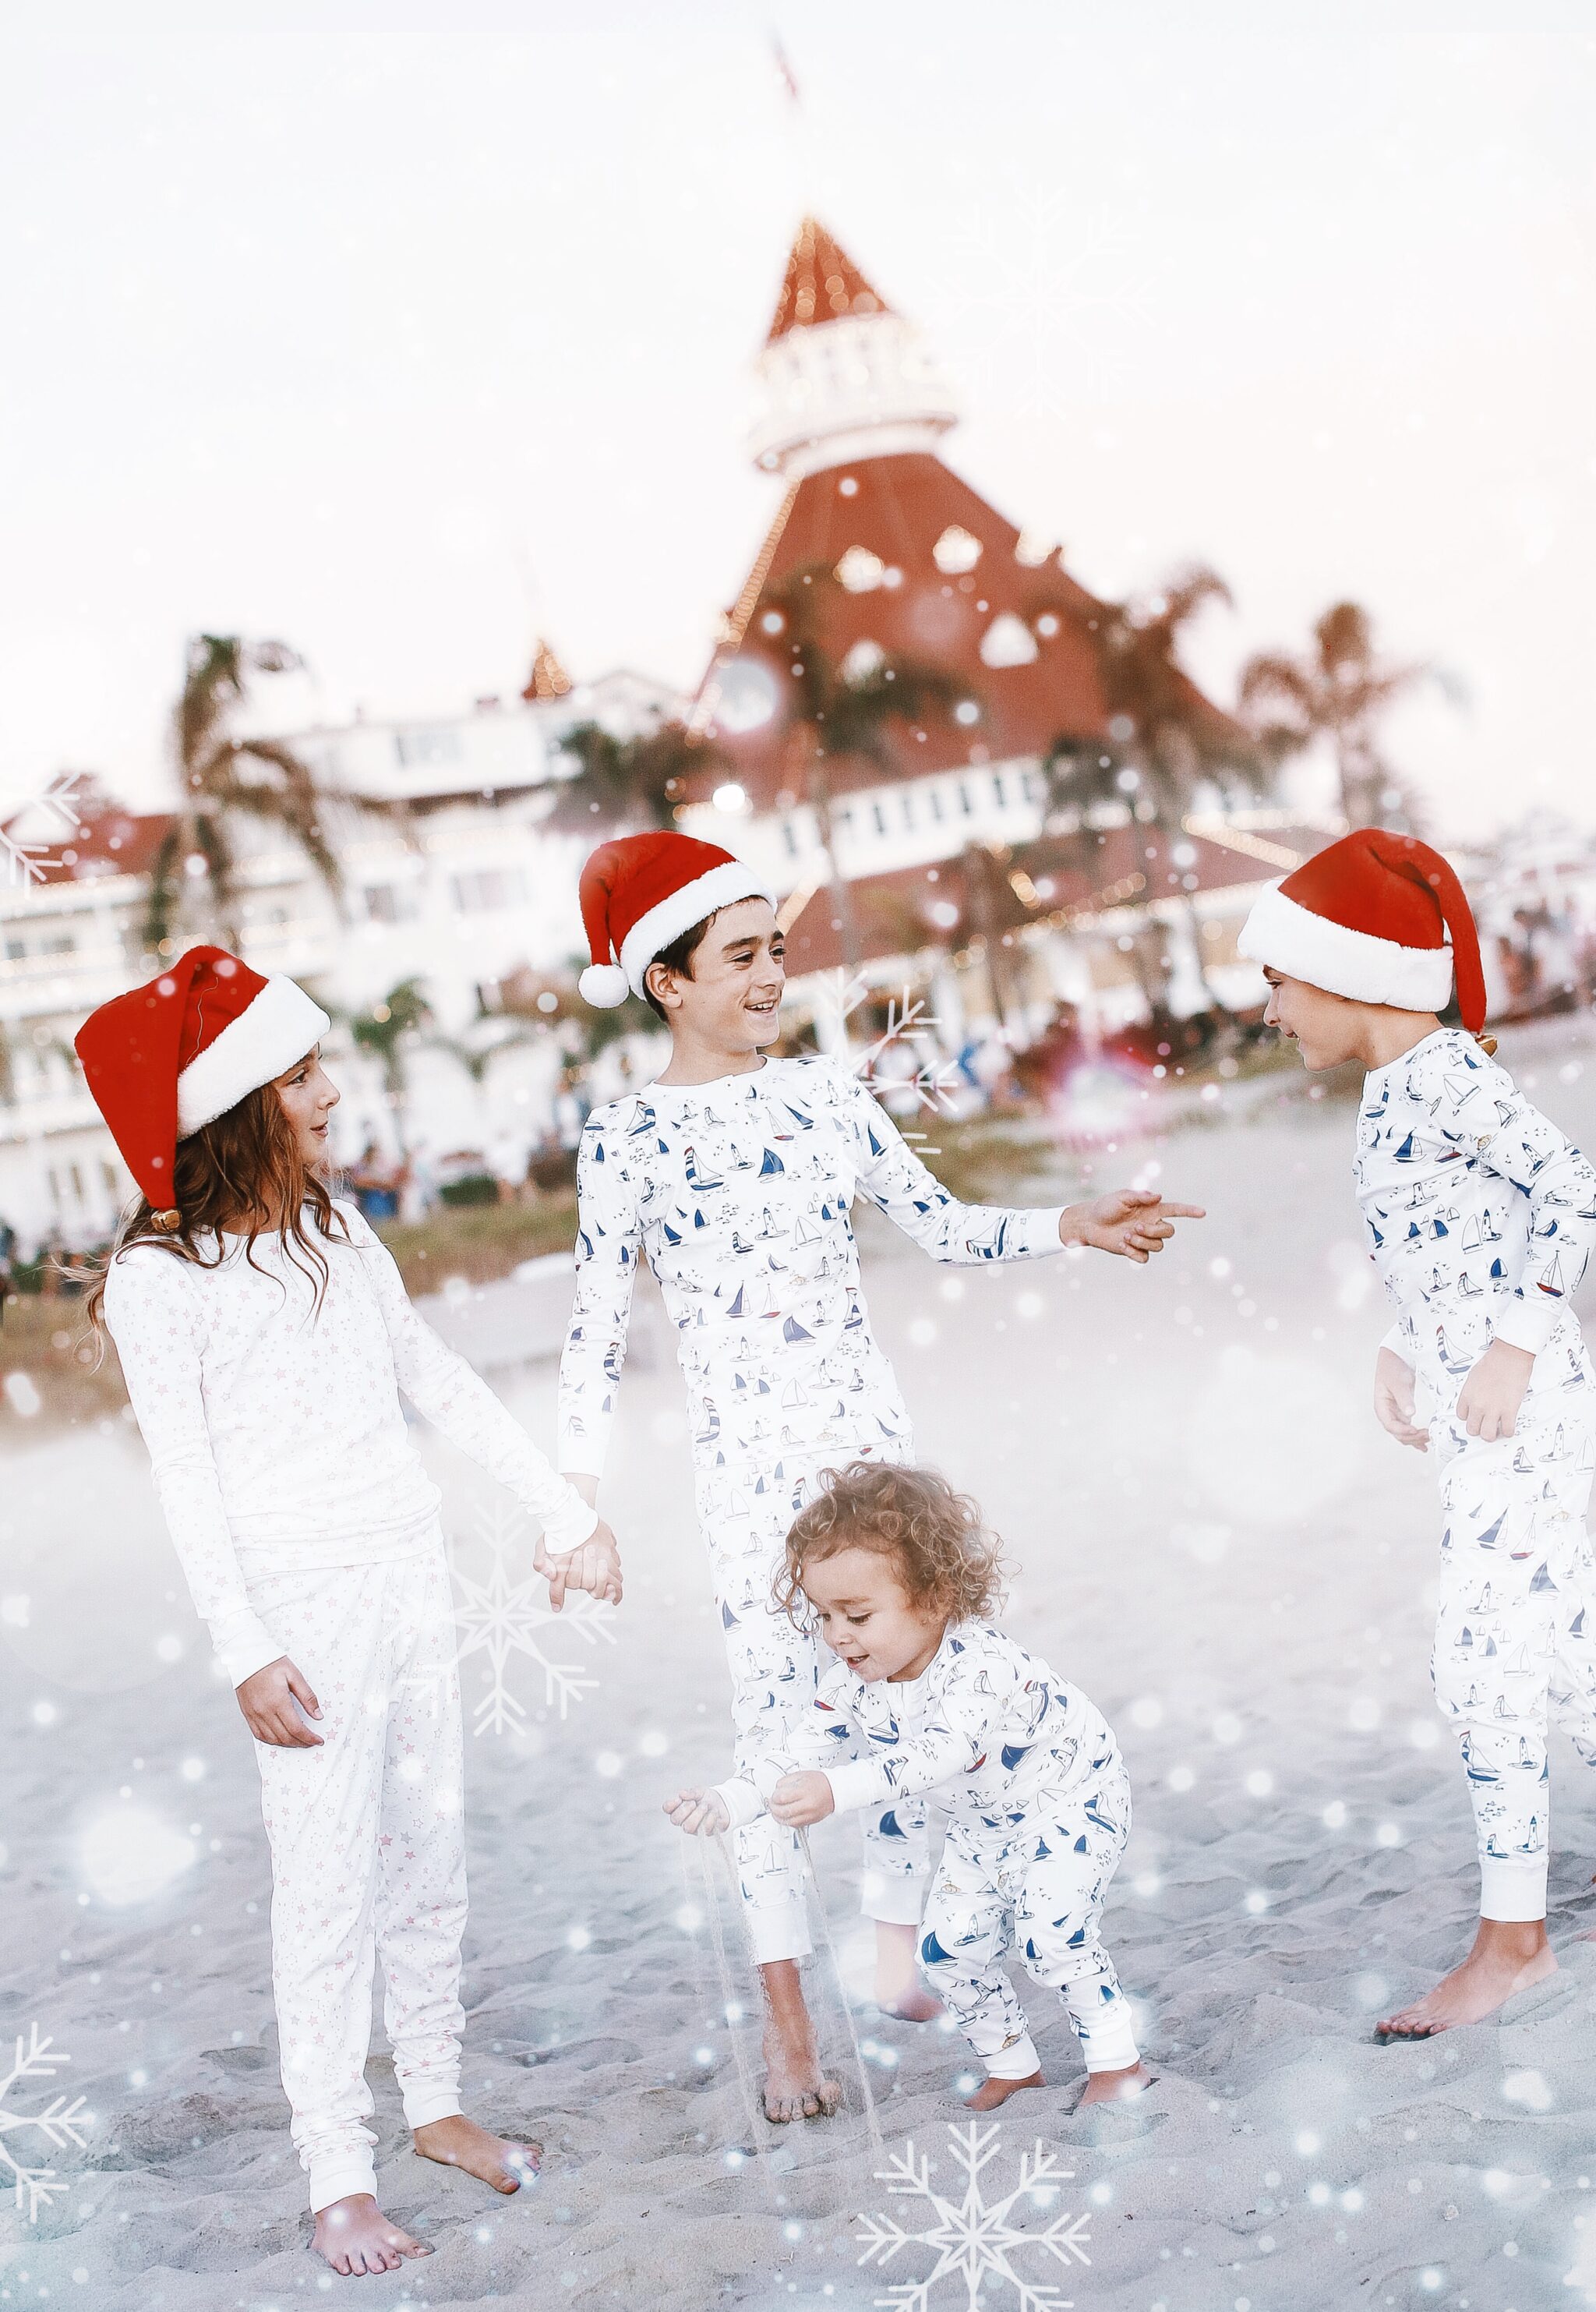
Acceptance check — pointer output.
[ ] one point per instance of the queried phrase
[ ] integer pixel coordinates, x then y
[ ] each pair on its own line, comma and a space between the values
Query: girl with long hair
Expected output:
265, 1336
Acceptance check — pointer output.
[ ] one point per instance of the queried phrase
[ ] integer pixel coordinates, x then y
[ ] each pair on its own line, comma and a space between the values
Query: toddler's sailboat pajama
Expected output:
1038, 1812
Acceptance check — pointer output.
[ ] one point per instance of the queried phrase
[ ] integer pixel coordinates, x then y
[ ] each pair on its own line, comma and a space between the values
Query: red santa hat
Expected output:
1370, 917
641, 892
166, 1059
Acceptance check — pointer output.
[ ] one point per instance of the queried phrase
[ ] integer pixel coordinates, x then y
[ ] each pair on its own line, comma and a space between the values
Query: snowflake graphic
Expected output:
501, 1617
25, 862
917, 1063
59, 2124
972, 2240
1061, 287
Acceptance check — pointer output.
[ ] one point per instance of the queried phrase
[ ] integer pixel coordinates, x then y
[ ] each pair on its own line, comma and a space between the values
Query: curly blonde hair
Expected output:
943, 1552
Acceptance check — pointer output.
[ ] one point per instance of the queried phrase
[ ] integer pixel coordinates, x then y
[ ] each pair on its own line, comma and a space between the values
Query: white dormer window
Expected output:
1008, 642
860, 571
956, 551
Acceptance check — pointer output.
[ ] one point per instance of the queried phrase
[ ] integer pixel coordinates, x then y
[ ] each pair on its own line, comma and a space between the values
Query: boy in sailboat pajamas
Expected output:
736, 1183
1480, 1218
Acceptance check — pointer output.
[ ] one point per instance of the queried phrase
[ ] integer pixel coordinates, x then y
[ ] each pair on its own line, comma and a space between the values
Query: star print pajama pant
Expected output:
1038, 1886
368, 1852
774, 1670
1515, 1632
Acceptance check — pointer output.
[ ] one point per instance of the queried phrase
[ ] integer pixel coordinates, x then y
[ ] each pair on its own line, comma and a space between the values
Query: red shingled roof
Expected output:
111, 841
822, 284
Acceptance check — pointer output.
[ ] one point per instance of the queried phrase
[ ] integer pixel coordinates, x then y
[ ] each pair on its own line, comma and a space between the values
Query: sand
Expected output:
1214, 1541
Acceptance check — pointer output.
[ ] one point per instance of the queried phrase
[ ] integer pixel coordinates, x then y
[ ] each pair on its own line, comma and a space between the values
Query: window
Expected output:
488, 889
789, 838
908, 809
879, 816
418, 749
998, 793
15, 949
1031, 786
391, 903
966, 802
935, 797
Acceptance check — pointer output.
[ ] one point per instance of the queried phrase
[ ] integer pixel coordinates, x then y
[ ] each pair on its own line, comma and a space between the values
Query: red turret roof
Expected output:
946, 572
823, 284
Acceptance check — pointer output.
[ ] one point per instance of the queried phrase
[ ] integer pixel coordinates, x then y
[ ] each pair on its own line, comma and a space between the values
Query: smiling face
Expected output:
730, 1000
868, 1618
1326, 1028
309, 1096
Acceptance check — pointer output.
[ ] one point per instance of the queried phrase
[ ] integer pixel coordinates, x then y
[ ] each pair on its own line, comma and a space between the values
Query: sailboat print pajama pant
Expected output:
1515, 1632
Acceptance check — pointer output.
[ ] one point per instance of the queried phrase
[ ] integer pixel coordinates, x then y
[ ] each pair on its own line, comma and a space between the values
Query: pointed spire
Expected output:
822, 284
548, 679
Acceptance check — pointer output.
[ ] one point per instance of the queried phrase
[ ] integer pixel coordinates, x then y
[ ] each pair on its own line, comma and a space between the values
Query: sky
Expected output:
403, 334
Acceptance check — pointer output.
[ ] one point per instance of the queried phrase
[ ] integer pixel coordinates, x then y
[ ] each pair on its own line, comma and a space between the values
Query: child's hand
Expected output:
595, 1565
1488, 1406
699, 1813
799, 1800
1393, 1400
275, 1702
1135, 1222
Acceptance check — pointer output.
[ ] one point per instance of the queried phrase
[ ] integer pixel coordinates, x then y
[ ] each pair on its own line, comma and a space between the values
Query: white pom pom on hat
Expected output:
603, 986
641, 892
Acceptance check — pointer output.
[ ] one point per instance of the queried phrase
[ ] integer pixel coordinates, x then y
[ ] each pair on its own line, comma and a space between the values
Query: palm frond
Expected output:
161, 905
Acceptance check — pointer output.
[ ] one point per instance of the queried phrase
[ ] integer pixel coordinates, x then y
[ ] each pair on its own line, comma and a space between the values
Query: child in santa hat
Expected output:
264, 1337
1480, 1218
734, 1174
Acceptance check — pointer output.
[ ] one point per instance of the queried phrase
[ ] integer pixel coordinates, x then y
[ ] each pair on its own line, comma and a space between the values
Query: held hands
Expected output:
799, 1800
1488, 1406
277, 1702
1135, 1222
594, 1565
699, 1813
1394, 1401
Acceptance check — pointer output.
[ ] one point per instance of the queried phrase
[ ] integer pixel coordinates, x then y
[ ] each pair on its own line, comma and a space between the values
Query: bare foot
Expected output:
355, 2237
795, 2086
460, 2142
1115, 2086
1508, 1955
899, 1990
988, 2096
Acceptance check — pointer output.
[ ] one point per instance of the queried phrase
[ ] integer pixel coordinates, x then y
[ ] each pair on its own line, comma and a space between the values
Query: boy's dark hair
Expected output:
679, 956
944, 1553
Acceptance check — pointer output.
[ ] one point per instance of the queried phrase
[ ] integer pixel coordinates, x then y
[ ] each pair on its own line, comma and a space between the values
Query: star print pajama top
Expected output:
1481, 1219
307, 1525
1038, 1812
737, 1193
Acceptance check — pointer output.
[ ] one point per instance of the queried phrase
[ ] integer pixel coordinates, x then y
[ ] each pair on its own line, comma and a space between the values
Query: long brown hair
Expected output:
237, 1174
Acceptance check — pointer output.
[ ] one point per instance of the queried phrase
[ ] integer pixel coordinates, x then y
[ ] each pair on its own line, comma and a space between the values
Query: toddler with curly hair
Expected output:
899, 1575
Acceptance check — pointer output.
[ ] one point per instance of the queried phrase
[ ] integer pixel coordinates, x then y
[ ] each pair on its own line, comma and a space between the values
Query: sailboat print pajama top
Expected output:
737, 1192
1481, 1218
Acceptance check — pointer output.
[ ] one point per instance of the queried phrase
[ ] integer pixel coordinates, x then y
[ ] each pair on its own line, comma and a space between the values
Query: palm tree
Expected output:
387, 1033
844, 713
221, 776
1337, 691
627, 782
1166, 742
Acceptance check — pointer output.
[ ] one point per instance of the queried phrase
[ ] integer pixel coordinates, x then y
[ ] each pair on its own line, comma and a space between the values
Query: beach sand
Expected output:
1214, 1541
